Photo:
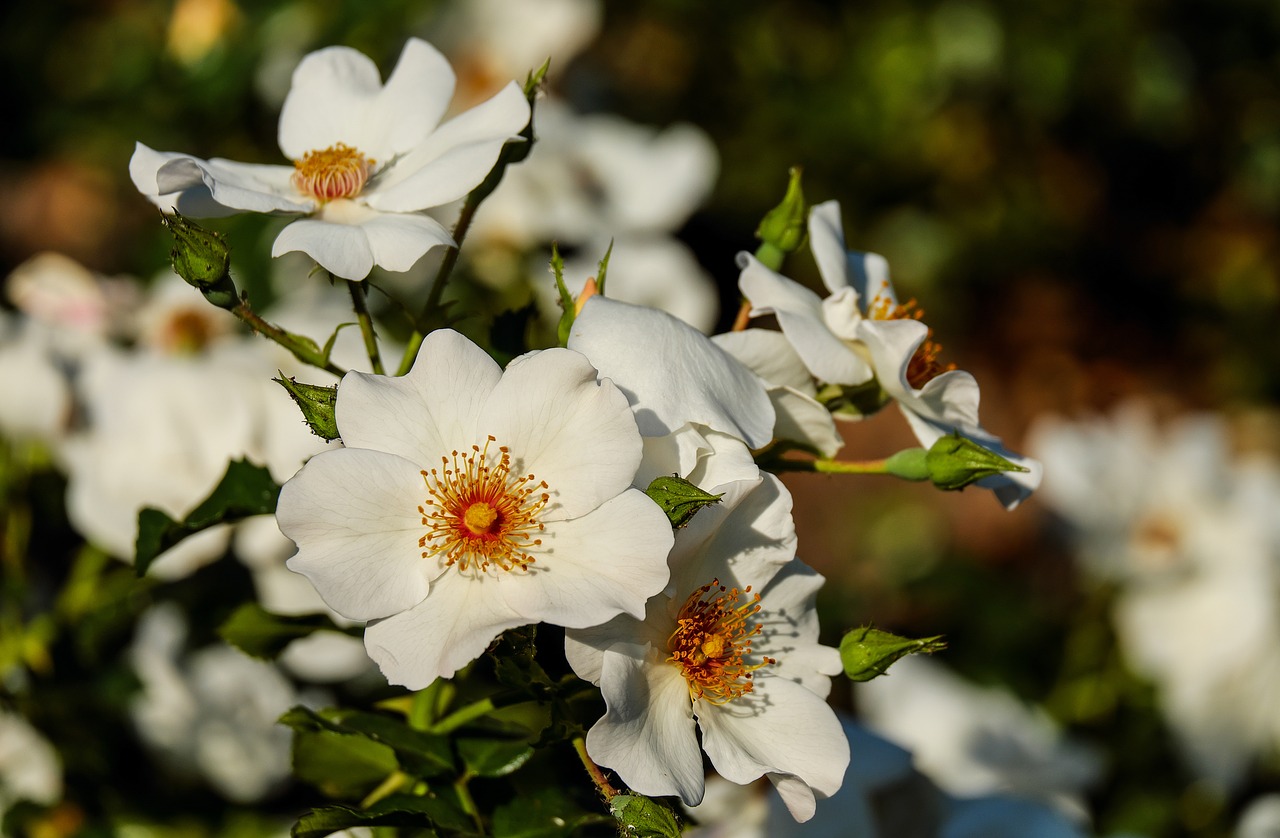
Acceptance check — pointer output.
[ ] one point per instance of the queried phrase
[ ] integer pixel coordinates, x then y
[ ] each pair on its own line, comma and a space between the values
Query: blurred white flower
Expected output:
213, 711
972, 740
29, 766
1188, 534
469, 500
861, 332
367, 158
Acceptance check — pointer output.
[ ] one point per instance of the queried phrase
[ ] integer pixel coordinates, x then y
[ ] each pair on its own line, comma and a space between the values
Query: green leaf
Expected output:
679, 499
261, 634
644, 817
546, 813
244, 490
421, 754
320, 823
341, 765
316, 403
441, 807
868, 652
493, 757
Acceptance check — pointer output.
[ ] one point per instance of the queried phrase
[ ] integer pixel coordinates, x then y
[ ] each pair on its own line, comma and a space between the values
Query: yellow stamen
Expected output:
924, 364
712, 640
479, 515
338, 171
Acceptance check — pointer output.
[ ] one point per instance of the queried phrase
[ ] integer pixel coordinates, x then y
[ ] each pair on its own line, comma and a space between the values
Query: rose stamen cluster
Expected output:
479, 515
924, 365
338, 171
712, 640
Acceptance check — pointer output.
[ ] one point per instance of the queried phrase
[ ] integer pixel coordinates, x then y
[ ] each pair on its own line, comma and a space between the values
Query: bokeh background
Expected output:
1082, 195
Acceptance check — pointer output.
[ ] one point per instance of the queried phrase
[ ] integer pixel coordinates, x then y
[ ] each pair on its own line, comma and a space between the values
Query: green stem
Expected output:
468, 803
597, 776
394, 782
475, 710
361, 306
823, 466
304, 351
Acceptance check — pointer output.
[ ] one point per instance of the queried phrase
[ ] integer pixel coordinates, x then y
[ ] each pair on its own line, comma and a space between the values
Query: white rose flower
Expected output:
468, 501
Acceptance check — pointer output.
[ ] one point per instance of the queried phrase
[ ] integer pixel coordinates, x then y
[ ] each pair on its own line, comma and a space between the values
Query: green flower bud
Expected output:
316, 403
954, 462
868, 652
909, 464
202, 258
679, 498
783, 228
644, 817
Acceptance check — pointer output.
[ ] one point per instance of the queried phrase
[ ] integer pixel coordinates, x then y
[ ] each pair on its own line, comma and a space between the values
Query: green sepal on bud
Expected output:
955, 462
202, 258
644, 817
316, 403
783, 228
679, 499
568, 311
868, 652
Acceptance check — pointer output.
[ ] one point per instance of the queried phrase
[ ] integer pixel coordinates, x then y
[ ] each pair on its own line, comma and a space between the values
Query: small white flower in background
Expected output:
972, 740
29, 766
861, 332
214, 711
730, 648
469, 500
1187, 533
367, 158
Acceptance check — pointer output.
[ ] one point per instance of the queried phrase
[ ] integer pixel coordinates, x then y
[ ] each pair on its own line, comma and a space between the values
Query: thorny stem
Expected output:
301, 350
597, 776
361, 306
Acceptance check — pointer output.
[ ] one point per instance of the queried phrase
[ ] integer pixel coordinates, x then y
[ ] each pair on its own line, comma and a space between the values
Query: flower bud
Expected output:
317, 404
783, 229
202, 258
954, 462
868, 652
679, 498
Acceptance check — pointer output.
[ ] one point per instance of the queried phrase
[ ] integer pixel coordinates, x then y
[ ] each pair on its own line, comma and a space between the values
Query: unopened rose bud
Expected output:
955, 462
202, 258
868, 652
783, 229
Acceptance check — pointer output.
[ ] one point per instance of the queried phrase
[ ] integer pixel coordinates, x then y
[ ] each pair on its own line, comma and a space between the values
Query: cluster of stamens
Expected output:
338, 171
479, 515
924, 364
712, 640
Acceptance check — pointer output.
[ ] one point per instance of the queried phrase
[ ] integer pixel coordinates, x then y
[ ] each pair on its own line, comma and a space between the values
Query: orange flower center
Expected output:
478, 514
712, 641
924, 364
338, 171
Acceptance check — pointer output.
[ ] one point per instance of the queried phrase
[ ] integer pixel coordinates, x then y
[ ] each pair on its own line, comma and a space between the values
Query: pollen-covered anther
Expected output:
924, 365
479, 515
712, 642
338, 171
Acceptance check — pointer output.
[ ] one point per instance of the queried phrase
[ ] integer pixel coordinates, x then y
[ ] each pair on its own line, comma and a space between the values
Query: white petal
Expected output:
337, 97
193, 200
585, 648
243, 186
455, 158
743, 540
354, 515
591, 568
424, 415
399, 240
804, 420
446, 631
789, 630
800, 314
770, 355
867, 274
778, 728
647, 734
576, 434
671, 373
949, 400
341, 249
